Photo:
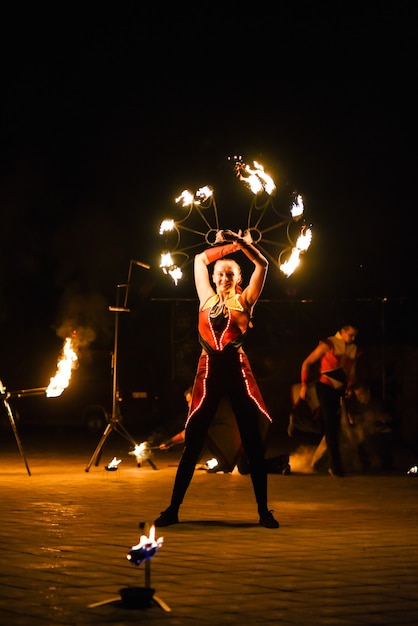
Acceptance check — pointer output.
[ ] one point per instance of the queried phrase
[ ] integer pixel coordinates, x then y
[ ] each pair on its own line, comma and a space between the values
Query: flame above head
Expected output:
304, 240
146, 548
297, 207
204, 193
257, 180
169, 267
289, 266
186, 198
166, 226
65, 366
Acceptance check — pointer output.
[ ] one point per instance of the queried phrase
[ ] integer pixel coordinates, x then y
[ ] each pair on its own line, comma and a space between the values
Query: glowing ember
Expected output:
65, 366
145, 549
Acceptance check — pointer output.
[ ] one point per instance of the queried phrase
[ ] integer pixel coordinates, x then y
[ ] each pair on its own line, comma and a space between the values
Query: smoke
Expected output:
301, 460
85, 317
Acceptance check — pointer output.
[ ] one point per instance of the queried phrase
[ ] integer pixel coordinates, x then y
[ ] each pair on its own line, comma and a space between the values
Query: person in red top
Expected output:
223, 368
337, 357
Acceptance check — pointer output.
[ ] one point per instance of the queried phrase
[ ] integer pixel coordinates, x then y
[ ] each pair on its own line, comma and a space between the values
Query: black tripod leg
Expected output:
96, 454
13, 425
122, 431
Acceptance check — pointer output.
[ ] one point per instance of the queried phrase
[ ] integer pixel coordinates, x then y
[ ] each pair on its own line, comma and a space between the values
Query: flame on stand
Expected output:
212, 463
114, 464
65, 366
141, 452
145, 549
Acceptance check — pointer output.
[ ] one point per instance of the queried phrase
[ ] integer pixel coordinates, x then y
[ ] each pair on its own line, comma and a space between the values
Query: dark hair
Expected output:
349, 323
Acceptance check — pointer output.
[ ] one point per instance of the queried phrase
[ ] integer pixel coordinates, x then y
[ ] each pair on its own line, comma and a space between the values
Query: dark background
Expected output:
108, 113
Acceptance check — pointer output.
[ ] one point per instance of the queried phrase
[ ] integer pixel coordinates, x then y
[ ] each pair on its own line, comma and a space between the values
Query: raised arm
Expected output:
201, 261
316, 354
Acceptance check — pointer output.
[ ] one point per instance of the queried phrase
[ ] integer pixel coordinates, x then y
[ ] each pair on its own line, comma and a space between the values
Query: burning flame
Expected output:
166, 226
186, 198
114, 464
203, 194
297, 208
257, 179
304, 240
141, 451
212, 463
65, 366
169, 267
302, 244
145, 549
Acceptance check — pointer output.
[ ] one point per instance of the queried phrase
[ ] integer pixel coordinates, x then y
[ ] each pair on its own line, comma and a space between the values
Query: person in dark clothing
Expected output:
223, 367
337, 357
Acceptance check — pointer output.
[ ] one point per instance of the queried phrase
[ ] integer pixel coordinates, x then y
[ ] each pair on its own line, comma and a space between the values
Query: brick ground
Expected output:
346, 552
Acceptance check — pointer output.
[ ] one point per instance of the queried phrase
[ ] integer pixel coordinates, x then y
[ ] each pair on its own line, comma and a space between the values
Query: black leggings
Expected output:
330, 401
224, 379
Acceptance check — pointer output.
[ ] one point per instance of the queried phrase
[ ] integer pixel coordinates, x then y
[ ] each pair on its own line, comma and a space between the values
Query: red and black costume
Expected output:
336, 375
224, 370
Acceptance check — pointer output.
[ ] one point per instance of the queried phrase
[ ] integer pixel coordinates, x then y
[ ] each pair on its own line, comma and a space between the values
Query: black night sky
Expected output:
109, 113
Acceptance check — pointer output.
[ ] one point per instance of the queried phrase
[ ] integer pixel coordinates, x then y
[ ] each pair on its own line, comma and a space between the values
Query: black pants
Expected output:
224, 379
330, 402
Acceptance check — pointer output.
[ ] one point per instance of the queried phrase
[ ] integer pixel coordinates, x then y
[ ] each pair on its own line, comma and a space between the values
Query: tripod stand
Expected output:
115, 420
4, 395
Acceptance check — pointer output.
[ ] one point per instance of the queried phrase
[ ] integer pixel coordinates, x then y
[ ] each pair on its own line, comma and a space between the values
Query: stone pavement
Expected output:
346, 552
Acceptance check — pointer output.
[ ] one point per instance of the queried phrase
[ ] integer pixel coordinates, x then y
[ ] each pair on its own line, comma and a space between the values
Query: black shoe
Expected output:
267, 520
167, 518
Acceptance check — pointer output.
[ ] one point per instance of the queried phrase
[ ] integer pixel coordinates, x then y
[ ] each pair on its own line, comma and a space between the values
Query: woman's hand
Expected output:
229, 235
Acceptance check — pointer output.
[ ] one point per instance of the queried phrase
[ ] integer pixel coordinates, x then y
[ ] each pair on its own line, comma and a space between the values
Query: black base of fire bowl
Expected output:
136, 597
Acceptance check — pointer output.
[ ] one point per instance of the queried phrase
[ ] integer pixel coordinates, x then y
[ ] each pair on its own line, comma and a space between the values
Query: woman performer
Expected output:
223, 367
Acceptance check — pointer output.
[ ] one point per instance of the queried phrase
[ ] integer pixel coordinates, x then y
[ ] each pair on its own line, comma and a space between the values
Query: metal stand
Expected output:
5, 399
115, 420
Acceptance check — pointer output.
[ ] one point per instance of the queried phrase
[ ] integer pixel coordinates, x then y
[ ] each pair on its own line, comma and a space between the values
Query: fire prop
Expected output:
65, 366
143, 452
211, 464
145, 549
263, 217
135, 597
143, 552
113, 465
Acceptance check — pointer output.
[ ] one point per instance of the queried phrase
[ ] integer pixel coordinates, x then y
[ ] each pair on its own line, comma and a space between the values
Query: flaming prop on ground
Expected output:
143, 452
263, 217
145, 549
66, 364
